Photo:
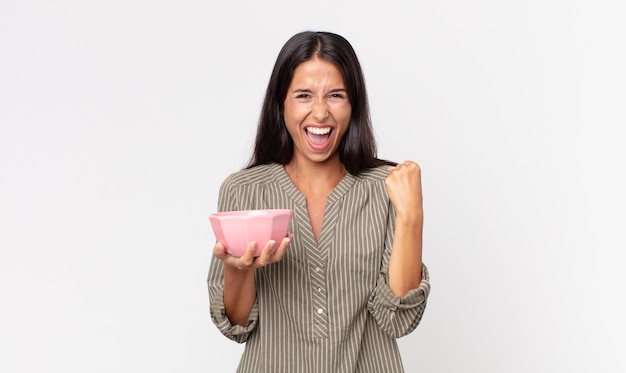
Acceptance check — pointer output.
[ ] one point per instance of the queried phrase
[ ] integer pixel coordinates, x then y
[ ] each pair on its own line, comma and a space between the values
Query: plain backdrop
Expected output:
119, 120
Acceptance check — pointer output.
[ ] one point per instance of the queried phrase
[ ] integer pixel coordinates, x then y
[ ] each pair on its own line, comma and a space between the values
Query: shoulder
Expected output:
249, 176
376, 174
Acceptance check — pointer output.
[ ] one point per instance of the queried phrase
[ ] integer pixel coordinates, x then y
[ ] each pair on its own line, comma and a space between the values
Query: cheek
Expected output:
346, 114
292, 114
287, 117
291, 123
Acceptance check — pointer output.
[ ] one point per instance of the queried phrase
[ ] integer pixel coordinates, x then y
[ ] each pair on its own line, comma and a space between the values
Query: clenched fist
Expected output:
404, 187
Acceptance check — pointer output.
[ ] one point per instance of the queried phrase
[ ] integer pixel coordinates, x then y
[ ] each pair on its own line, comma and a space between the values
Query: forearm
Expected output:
405, 263
239, 294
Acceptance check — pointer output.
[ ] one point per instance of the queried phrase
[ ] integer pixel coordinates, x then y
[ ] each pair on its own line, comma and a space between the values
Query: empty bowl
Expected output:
236, 229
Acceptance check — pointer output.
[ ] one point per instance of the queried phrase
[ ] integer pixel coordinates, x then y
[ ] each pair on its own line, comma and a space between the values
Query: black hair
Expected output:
273, 144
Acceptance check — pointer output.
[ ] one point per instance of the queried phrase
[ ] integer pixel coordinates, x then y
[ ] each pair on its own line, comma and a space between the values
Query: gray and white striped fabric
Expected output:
326, 307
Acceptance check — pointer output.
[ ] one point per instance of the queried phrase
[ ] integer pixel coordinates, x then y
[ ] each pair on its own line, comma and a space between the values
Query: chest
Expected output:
315, 210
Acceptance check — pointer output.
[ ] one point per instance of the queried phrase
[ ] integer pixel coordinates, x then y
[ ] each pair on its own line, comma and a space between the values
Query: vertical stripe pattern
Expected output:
326, 307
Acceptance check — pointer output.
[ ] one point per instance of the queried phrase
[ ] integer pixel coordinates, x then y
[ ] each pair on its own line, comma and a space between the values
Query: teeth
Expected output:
319, 131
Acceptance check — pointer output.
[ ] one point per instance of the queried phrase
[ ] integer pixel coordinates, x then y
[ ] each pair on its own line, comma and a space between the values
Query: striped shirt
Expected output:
326, 306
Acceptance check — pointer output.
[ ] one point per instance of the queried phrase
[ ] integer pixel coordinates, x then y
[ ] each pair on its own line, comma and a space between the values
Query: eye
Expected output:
336, 96
303, 96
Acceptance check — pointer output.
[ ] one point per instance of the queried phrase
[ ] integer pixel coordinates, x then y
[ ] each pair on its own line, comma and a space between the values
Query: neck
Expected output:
316, 178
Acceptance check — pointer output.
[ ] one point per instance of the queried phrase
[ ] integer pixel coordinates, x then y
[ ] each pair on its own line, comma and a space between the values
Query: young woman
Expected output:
348, 280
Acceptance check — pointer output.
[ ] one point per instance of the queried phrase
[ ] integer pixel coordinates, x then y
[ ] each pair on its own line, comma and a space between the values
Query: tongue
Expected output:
318, 139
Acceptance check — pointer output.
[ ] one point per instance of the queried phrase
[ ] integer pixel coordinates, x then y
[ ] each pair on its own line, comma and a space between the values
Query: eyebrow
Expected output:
307, 90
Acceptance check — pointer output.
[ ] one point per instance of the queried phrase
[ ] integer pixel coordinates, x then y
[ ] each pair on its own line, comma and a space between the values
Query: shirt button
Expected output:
318, 269
318, 289
319, 310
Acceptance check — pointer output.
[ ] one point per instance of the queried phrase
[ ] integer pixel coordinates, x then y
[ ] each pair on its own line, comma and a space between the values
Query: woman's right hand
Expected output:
239, 287
271, 253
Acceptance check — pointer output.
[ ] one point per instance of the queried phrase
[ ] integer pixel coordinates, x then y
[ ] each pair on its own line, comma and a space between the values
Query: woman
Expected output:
335, 294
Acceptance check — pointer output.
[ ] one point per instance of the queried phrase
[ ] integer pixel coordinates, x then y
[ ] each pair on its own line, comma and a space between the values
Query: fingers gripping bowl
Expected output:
236, 229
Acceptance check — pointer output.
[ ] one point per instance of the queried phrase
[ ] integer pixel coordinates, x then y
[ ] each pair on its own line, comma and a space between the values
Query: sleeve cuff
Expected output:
237, 333
411, 299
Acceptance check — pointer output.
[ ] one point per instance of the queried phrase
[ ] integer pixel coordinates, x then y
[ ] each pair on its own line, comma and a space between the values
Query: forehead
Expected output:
317, 71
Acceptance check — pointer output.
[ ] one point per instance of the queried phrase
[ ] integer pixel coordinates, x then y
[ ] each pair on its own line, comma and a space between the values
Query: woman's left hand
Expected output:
404, 187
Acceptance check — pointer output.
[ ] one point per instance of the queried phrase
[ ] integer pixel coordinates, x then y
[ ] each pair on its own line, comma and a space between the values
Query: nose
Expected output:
320, 110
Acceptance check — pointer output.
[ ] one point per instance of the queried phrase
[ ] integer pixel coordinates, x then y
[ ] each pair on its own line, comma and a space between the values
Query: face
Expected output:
317, 111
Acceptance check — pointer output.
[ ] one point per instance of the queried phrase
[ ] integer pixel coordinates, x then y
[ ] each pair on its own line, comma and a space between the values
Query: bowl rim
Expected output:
251, 213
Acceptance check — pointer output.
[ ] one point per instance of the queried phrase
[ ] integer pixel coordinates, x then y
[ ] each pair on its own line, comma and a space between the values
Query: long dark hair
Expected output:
357, 150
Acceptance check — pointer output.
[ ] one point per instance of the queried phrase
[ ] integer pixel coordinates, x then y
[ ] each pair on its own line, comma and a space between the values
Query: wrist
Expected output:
410, 218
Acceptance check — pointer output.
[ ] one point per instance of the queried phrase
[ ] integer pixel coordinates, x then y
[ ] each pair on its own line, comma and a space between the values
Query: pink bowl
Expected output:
236, 229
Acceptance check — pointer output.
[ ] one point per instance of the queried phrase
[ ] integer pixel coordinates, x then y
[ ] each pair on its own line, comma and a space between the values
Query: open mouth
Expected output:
318, 136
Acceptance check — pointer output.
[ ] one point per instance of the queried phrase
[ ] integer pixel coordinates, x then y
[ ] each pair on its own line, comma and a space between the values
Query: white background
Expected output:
119, 120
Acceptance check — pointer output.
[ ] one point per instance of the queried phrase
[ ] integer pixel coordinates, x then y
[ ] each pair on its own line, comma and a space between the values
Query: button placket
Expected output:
320, 306
318, 259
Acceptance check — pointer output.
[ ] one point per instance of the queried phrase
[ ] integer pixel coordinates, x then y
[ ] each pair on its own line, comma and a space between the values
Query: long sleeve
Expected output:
227, 202
215, 282
397, 316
